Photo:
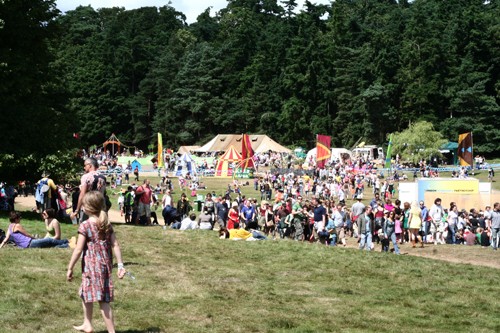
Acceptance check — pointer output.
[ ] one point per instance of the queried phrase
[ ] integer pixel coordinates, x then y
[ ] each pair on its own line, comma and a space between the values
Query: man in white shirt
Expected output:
189, 222
436, 213
167, 199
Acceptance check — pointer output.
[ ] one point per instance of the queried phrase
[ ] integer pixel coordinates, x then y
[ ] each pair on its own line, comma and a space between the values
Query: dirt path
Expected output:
458, 254
28, 203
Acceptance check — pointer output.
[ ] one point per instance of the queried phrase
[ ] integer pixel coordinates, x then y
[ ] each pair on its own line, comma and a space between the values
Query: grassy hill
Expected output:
195, 282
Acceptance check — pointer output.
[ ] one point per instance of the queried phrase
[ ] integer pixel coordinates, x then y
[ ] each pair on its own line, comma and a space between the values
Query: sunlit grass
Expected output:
195, 282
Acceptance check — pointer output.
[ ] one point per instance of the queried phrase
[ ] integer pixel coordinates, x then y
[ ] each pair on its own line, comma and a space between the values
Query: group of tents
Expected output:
232, 159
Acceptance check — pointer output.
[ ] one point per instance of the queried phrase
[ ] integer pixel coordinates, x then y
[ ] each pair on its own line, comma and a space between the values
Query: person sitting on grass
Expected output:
205, 220
21, 238
187, 223
51, 224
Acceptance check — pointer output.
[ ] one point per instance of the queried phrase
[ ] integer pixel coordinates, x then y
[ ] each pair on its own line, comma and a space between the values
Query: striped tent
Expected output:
231, 158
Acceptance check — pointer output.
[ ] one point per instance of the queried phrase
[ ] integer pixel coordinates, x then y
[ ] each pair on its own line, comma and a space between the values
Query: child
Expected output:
121, 201
95, 240
119, 180
398, 230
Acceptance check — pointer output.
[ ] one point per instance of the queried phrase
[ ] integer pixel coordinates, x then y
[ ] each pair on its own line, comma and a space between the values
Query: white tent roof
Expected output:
269, 144
260, 144
186, 157
186, 149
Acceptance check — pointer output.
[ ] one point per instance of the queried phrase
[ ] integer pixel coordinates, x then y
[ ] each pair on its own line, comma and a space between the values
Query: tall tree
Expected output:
32, 99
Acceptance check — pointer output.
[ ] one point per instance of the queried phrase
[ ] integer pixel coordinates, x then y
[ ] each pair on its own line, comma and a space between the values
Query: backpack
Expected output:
129, 199
2, 235
41, 190
98, 184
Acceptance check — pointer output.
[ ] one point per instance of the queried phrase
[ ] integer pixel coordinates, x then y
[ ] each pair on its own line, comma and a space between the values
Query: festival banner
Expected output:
246, 153
160, 151
465, 149
388, 155
323, 152
443, 185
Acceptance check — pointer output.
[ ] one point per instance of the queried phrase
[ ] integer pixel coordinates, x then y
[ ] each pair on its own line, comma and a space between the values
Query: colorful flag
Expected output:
388, 155
160, 151
323, 152
465, 149
246, 153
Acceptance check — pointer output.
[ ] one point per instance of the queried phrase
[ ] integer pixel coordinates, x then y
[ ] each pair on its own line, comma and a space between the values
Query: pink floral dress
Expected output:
97, 263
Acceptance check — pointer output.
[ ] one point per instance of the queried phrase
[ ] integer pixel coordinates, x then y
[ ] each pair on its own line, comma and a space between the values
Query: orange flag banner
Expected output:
465, 149
246, 153
323, 152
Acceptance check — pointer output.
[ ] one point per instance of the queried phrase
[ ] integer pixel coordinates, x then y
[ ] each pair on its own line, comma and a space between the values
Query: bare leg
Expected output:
107, 315
88, 309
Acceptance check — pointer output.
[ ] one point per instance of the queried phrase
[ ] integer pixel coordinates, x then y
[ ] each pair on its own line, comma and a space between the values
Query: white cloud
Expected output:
191, 8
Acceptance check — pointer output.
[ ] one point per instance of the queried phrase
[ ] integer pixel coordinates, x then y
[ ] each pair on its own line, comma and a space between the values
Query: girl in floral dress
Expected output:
96, 239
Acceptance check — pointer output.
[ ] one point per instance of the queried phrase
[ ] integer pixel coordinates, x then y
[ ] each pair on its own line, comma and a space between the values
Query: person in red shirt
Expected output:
145, 197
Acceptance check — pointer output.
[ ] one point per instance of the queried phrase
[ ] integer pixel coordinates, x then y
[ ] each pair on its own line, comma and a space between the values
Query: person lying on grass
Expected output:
21, 238
241, 234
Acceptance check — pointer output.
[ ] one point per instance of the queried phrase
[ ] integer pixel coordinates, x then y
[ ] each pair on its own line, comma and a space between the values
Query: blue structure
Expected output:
136, 163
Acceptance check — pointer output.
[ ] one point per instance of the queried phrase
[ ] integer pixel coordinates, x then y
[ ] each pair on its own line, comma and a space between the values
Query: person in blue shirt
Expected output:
375, 200
319, 217
247, 213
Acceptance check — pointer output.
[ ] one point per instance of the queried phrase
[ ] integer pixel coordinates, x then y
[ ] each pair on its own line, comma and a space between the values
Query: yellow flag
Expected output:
160, 151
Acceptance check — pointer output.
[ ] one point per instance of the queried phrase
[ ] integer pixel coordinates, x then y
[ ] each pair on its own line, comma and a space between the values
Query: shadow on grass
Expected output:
147, 330
115, 265
29, 215
136, 225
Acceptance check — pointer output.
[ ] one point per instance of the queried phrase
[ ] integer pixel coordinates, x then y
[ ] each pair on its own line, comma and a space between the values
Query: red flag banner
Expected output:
323, 152
465, 149
246, 153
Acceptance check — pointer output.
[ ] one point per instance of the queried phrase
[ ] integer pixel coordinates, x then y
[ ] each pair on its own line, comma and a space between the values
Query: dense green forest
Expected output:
353, 69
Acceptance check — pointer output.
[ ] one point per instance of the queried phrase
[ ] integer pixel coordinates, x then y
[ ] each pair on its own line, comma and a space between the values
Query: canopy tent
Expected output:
268, 144
186, 149
260, 144
185, 164
223, 168
450, 152
448, 147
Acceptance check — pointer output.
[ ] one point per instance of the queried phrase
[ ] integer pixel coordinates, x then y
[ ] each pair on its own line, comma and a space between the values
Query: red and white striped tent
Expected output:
231, 158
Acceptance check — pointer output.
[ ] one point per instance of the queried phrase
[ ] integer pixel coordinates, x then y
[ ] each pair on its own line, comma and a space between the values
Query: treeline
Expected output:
353, 69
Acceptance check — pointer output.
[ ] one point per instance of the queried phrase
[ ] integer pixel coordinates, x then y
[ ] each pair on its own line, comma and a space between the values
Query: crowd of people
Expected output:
305, 206
327, 207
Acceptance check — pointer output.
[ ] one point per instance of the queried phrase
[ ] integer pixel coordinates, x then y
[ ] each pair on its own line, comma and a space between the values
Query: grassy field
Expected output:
194, 282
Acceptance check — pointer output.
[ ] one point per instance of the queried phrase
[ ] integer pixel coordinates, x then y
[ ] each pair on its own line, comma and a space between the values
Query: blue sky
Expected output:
191, 8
